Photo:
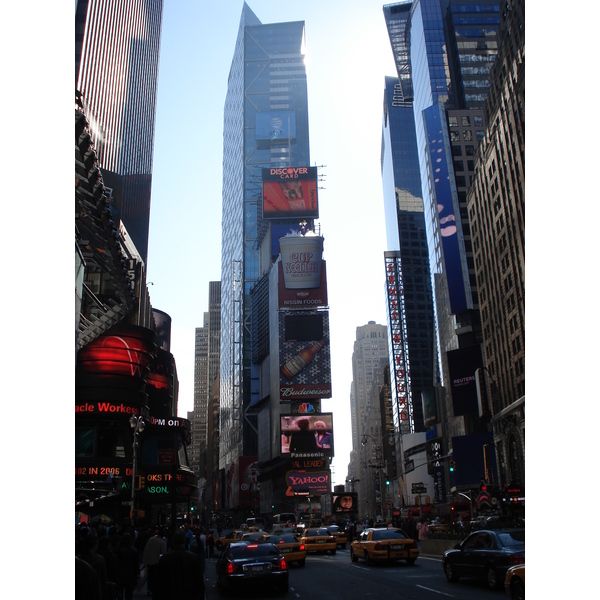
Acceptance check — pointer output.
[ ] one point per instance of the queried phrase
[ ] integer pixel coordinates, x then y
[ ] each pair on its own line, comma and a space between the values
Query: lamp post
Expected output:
380, 464
137, 424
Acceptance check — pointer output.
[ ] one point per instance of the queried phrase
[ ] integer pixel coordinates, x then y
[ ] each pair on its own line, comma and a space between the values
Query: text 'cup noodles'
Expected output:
301, 258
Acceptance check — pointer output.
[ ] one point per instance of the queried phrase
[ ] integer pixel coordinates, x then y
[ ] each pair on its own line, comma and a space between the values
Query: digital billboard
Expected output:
290, 193
313, 483
462, 364
304, 356
344, 503
306, 436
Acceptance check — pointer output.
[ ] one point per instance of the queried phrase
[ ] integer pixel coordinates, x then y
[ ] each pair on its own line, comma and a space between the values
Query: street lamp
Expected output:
137, 424
383, 492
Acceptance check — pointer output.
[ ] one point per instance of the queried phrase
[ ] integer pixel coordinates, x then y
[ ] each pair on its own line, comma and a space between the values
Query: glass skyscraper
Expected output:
407, 249
444, 47
117, 47
265, 125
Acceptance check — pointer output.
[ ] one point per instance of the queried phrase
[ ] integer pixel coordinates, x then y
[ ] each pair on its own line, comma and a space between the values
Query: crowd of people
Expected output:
112, 562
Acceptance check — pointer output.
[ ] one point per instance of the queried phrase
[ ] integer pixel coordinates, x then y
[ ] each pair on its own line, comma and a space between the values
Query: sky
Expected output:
348, 57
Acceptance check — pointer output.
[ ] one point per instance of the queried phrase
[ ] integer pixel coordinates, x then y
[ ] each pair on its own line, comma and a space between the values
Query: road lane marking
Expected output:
436, 591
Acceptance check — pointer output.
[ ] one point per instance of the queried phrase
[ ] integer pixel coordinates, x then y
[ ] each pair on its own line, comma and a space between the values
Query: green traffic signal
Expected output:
452, 466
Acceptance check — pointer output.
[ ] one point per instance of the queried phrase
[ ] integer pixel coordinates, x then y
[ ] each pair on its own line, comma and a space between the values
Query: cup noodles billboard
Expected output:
301, 260
290, 193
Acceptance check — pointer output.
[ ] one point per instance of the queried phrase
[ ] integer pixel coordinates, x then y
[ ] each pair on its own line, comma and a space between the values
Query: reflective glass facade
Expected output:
116, 71
267, 77
405, 223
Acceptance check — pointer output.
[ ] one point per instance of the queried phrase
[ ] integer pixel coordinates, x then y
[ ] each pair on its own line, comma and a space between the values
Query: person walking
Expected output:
90, 555
155, 547
422, 530
180, 574
129, 567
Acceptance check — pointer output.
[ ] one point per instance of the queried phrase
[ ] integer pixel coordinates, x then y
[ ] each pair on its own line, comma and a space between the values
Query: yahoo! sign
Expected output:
314, 482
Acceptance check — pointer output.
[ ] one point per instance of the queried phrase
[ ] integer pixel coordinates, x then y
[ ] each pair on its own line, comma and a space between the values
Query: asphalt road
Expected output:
332, 577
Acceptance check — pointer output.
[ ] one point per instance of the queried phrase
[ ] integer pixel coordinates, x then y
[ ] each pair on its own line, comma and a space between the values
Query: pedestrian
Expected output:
180, 574
129, 567
422, 530
89, 553
189, 537
210, 542
87, 585
155, 547
106, 550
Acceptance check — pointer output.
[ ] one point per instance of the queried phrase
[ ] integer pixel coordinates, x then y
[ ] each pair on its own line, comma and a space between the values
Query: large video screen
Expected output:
290, 193
305, 435
344, 503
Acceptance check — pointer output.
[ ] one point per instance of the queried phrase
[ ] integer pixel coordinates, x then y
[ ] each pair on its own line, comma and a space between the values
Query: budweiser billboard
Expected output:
304, 356
290, 193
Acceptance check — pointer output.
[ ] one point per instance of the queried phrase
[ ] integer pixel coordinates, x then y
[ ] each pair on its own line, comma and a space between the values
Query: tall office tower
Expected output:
496, 202
437, 44
265, 125
201, 388
206, 371
369, 358
116, 74
410, 314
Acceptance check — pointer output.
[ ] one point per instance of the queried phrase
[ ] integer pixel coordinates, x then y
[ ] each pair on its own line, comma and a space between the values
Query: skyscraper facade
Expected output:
444, 47
116, 74
408, 259
265, 125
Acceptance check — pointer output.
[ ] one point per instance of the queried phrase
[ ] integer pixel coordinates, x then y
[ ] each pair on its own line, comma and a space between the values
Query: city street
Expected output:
336, 576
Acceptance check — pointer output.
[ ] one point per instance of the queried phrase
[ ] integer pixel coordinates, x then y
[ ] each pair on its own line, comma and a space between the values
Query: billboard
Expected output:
344, 503
290, 193
306, 436
304, 356
279, 125
475, 458
304, 483
462, 364
303, 297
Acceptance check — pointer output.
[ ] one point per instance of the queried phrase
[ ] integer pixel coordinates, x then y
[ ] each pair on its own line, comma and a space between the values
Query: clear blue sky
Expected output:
349, 55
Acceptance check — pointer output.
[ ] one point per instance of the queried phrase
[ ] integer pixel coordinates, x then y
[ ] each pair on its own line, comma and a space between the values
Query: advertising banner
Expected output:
290, 193
249, 486
280, 125
344, 503
307, 436
313, 483
462, 364
303, 297
430, 406
305, 360
469, 454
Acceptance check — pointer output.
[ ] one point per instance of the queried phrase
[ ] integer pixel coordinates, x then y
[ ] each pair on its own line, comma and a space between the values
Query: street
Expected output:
336, 576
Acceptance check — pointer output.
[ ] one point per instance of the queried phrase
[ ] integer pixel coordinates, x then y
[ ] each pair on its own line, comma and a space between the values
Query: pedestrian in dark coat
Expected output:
180, 574
129, 567
89, 553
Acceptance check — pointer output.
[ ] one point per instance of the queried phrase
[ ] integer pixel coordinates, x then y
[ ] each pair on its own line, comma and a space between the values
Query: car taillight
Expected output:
516, 559
302, 547
282, 564
231, 569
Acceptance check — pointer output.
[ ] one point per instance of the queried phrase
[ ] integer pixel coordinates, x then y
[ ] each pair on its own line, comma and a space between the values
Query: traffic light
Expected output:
140, 482
452, 466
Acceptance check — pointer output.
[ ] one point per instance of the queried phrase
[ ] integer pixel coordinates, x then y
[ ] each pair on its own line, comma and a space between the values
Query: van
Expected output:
256, 522
284, 519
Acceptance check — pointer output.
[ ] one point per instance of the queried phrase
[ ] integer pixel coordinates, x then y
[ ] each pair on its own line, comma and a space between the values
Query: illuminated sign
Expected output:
290, 193
307, 436
462, 364
314, 482
397, 332
344, 503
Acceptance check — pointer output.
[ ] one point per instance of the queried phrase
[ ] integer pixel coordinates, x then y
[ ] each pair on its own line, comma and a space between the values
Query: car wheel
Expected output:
368, 559
449, 571
491, 578
302, 562
353, 556
410, 561
343, 546
283, 589
333, 552
517, 590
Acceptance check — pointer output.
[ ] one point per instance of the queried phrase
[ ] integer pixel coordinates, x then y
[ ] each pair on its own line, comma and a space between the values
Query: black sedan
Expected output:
258, 566
485, 555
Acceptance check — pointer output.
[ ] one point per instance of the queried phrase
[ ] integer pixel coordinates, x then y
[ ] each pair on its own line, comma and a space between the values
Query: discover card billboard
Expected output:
290, 193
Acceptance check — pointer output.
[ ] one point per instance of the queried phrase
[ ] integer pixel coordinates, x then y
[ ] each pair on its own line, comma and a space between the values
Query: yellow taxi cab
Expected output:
378, 544
292, 549
318, 539
339, 534
232, 536
514, 582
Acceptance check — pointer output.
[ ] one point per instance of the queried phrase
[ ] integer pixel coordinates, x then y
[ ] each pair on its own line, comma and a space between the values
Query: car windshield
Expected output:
388, 534
512, 538
253, 551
